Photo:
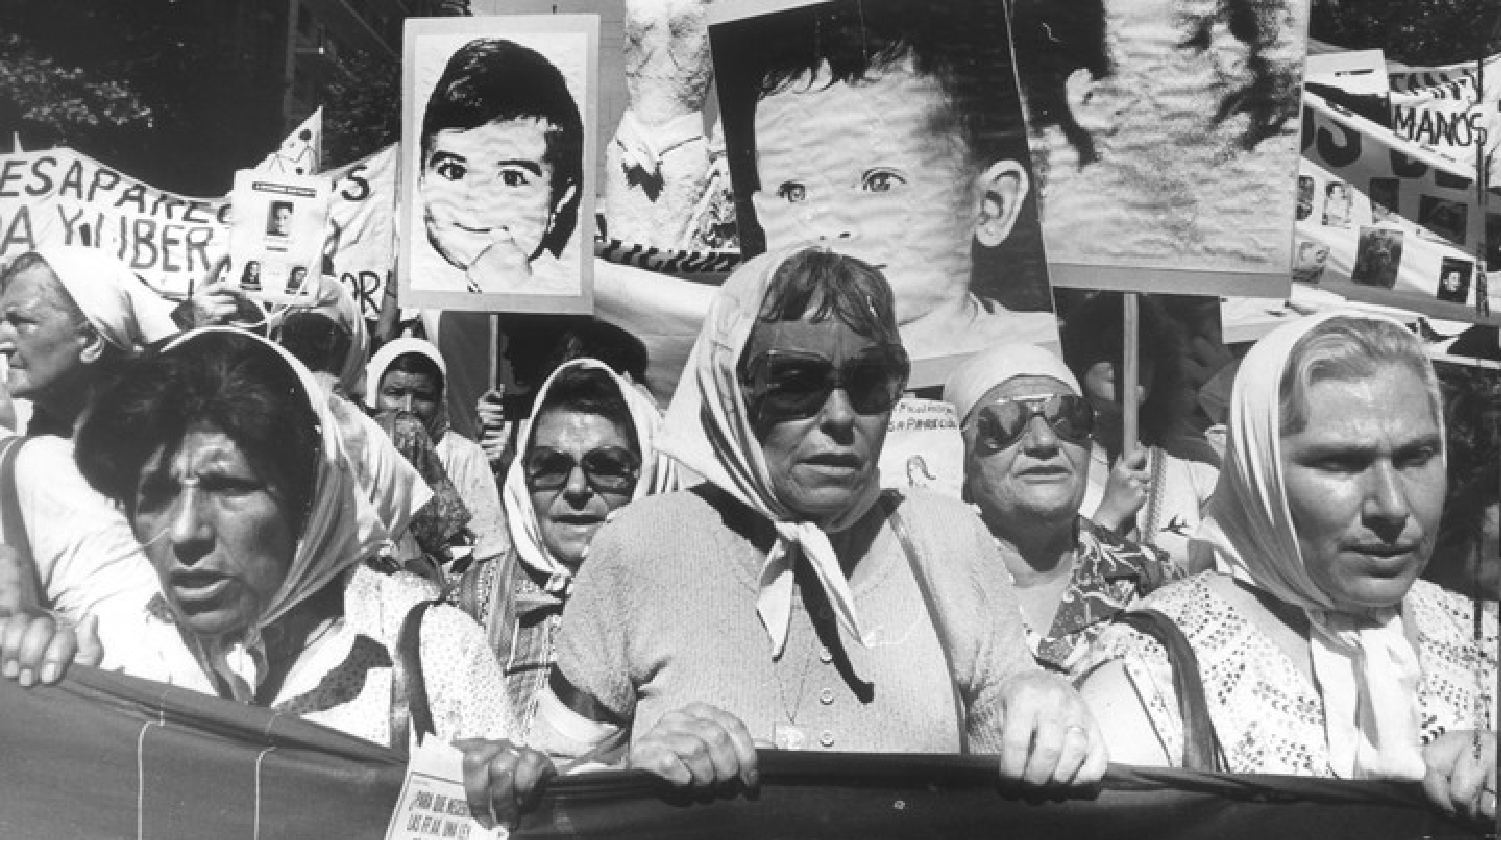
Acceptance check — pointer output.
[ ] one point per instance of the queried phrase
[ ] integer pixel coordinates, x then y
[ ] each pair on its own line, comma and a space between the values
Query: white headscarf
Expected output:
708, 429
341, 530
122, 309
335, 301
382, 360
1364, 666
971, 381
657, 475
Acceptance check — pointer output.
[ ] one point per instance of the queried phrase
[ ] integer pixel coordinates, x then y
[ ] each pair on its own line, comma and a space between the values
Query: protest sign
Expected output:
1387, 221
276, 238
498, 131
923, 448
361, 232
63, 197
1168, 137
890, 130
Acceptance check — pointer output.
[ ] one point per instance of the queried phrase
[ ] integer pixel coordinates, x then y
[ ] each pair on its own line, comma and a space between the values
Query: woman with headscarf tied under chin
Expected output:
1319, 652
787, 601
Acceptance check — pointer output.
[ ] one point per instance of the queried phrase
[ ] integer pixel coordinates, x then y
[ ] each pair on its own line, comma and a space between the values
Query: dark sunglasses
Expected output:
606, 469
1003, 423
789, 384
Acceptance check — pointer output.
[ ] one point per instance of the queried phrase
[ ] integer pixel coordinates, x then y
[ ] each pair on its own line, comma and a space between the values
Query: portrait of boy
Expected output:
891, 130
499, 178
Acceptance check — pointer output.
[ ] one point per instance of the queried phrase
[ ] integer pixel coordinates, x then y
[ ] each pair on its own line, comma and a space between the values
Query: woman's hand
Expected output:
1048, 736
698, 747
502, 780
37, 646
1462, 773
1125, 492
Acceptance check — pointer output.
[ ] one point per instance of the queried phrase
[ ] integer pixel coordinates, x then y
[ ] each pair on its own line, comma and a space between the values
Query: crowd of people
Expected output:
257, 507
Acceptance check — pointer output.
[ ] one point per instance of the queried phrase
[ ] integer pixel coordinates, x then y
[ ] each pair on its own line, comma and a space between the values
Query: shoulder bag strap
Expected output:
14, 526
1201, 744
940, 625
409, 707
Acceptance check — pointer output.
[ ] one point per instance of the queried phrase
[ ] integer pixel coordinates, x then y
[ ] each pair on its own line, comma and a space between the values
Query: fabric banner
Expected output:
105, 756
1386, 221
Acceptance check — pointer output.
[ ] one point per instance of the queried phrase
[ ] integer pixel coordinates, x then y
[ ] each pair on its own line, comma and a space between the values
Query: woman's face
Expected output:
1365, 486
488, 187
820, 465
419, 394
1038, 478
215, 529
569, 516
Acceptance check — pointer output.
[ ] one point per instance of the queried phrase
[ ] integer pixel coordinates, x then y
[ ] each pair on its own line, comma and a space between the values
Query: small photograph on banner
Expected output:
1305, 197
1377, 257
1386, 195
432, 804
1309, 260
276, 236
1444, 219
1454, 280
1337, 204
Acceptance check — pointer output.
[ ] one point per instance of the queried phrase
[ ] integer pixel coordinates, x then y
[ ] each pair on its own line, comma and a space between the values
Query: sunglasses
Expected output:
1003, 423
789, 384
606, 469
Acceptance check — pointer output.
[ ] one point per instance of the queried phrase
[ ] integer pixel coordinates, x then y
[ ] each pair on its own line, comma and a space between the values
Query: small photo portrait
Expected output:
296, 279
1385, 194
250, 278
279, 219
1337, 204
1444, 219
1305, 196
1454, 280
1308, 261
498, 121
1377, 257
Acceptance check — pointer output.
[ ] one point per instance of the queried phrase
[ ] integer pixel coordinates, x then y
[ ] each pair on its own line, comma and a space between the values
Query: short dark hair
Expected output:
954, 41
413, 362
589, 391
1055, 38
231, 380
491, 80
817, 283
1095, 332
1472, 426
319, 342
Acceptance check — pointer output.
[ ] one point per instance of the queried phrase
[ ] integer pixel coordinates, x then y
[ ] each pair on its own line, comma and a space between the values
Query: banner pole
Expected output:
1126, 383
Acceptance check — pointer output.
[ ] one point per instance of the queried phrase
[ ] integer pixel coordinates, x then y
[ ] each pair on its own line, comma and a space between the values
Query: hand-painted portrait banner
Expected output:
1166, 140
1386, 221
893, 131
498, 137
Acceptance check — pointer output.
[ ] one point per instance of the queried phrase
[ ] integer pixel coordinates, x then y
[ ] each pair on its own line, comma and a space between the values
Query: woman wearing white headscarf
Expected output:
223, 454
1319, 651
410, 375
72, 318
589, 450
781, 602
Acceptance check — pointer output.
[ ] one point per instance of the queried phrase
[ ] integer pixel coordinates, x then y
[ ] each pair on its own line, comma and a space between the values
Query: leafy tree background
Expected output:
1414, 32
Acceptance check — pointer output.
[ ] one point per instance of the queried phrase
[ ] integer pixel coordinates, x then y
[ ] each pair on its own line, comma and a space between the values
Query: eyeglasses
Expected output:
789, 384
1003, 423
606, 469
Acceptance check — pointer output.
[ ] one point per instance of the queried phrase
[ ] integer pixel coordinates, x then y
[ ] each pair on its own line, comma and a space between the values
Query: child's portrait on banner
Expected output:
891, 130
498, 132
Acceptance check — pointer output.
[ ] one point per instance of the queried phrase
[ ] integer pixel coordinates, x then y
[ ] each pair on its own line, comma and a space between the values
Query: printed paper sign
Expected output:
432, 803
276, 238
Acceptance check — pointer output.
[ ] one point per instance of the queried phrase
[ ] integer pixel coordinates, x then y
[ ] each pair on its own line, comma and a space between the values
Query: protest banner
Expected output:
1168, 133
106, 756
361, 233
63, 197
1387, 221
834, 120
276, 237
498, 137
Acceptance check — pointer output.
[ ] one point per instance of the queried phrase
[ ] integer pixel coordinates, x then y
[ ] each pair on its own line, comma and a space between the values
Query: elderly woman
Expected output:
409, 375
1027, 441
786, 600
1319, 652
222, 453
70, 319
588, 450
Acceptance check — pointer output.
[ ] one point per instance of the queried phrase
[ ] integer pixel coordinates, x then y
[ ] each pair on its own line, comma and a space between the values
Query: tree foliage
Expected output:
1414, 32
363, 108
